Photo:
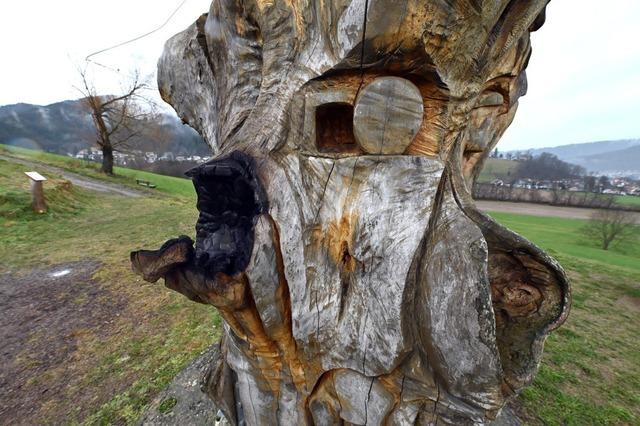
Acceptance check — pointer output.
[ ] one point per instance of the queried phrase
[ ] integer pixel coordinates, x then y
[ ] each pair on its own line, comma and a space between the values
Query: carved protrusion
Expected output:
387, 115
155, 264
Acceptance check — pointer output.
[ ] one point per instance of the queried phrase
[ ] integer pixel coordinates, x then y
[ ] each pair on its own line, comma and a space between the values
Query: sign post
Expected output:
37, 193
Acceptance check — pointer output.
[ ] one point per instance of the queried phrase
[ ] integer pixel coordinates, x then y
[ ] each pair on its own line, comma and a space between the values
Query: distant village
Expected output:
547, 172
135, 157
615, 186
526, 156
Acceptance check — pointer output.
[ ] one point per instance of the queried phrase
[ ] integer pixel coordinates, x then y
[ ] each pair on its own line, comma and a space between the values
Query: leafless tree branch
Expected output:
117, 118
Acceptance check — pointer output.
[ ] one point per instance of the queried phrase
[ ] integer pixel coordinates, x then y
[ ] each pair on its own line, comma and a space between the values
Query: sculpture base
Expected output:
183, 402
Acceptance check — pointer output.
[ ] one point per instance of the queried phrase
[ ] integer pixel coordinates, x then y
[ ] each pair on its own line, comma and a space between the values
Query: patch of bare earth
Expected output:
629, 303
44, 313
536, 209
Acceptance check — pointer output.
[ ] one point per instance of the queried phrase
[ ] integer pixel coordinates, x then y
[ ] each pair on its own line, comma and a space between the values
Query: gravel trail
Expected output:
538, 209
76, 179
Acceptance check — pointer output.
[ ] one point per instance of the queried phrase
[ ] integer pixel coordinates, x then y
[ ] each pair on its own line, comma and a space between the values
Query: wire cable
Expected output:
136, 38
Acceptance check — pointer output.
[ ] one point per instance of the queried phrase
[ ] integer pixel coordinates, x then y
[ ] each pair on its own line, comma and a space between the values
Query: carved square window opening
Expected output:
322, 109
334, 128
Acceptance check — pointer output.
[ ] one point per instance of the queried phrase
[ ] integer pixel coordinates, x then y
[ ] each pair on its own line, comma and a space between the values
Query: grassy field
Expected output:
503, 169
590, 373
627, 200
563, 237
123, 176
157, 332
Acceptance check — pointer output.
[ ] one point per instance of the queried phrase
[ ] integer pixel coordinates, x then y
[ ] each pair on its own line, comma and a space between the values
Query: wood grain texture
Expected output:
337, 236
387, 115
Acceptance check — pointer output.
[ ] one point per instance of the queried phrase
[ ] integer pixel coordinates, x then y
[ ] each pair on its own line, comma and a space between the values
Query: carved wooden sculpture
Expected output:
337, 236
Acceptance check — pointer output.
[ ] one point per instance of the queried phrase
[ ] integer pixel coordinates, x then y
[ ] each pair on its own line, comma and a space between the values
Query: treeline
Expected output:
552, 173
555, 197
547, 167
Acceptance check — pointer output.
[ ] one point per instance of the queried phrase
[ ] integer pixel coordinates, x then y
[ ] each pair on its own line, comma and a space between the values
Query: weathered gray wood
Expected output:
387, 115
356, 278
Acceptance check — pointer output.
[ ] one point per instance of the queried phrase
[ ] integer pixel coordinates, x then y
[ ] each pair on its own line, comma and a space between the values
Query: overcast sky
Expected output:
584, 75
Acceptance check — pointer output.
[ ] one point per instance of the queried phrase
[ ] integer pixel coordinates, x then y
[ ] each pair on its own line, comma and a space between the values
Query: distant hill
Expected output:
623, 160
66, 127
620, 156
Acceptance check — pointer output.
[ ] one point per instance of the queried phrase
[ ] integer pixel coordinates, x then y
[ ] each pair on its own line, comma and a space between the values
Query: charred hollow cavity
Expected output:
229, 200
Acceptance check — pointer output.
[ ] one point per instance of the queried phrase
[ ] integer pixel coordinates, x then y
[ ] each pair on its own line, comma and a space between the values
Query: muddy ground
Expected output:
42, 314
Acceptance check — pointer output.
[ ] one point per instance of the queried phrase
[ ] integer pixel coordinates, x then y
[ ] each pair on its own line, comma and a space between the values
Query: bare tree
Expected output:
603, 183
589, 183
118, 119
609, 225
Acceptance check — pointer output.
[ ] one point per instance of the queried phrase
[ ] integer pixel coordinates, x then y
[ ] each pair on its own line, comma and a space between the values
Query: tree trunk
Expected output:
358, 282
107, 160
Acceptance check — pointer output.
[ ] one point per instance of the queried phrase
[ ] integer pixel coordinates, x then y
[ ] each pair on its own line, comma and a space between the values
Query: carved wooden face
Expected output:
337, 234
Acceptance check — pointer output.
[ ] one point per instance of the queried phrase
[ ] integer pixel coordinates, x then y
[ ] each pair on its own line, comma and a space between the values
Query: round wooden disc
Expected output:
387, 115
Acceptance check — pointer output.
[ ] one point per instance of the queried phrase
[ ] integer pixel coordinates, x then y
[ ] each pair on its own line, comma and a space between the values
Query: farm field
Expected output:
627, 200
497, 168
590, 372
138, 335
503, 169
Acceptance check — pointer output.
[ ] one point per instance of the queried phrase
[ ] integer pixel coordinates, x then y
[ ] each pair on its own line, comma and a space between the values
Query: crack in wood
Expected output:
366, 402
324, 190
279, 53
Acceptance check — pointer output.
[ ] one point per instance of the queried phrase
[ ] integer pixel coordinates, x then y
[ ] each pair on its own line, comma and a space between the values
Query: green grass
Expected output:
153, 336
563, 236
628, 200
123, 176
15, 198
590, 370
167, 405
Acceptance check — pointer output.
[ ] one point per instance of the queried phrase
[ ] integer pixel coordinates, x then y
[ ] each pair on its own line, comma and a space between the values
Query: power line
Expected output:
136, 38
117, 70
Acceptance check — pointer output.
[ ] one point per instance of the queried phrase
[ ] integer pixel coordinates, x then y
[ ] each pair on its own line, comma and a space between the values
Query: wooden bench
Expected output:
145, 183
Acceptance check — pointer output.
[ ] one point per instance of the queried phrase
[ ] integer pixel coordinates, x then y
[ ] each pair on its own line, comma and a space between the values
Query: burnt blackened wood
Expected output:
229, 199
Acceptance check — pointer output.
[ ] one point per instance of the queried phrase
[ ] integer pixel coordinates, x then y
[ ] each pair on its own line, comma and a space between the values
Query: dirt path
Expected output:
43, 314
538, 209
81, 181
